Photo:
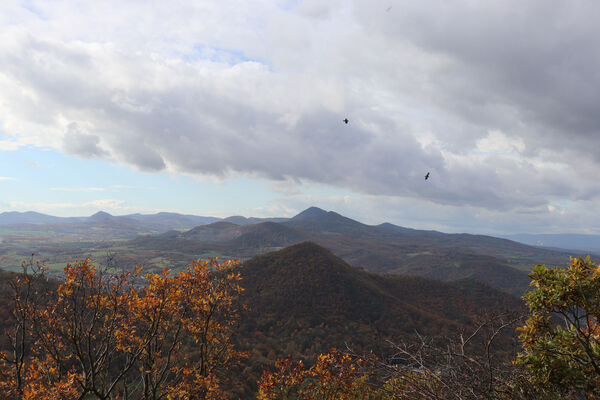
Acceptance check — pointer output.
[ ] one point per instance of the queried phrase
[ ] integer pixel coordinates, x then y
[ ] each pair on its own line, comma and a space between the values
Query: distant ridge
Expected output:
268, 235
329, 222
309, 213
584, 243
161, 222
100, 215
384, 248
239, 220
235, 238
219, 231
31, 217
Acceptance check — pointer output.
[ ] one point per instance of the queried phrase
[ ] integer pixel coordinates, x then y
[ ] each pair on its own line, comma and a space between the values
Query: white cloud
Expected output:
80, 189
8, 145
497, 102
93, 189
7, 178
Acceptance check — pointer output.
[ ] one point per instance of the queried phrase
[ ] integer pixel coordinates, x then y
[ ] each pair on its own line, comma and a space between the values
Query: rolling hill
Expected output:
385, 248
302, 300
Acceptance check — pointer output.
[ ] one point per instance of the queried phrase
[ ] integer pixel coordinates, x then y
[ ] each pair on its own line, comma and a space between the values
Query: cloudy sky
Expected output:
236, 107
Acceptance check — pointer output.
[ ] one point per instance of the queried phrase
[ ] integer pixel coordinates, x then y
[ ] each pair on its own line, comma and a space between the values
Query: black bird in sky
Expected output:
346, 120
427, 176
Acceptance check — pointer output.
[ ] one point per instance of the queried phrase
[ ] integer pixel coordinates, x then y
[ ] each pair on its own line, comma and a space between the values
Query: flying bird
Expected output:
346, 120
427, 176
388, 9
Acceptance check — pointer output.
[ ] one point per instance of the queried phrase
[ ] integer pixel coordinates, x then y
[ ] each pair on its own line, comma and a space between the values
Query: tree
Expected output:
474, 366
467, 368
129, 336
24, 291
561, 337
335, 376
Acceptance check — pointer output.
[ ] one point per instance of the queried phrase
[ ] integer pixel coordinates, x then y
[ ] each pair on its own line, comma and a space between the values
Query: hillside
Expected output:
303, 300
308, 281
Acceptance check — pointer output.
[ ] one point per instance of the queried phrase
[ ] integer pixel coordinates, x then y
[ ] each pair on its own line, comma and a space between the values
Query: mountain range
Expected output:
385, 248
131, 225
159, 222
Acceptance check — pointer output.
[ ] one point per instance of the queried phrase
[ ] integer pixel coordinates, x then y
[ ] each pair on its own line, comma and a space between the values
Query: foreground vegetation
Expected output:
99, 335
559, 357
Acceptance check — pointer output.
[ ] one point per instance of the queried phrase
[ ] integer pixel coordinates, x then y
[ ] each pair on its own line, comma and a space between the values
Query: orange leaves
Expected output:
288, 377
334, 376
106, 336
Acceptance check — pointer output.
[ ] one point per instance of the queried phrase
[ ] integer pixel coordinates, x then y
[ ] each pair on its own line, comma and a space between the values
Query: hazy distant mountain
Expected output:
220, 231
81, 227
239, 220
32, 217
99, 216
318, 221
164, 221
581, 243
159, 222
268, 235
236, 239
309, 213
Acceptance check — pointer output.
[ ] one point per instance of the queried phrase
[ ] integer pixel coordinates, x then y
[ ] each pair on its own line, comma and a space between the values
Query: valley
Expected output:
156, 241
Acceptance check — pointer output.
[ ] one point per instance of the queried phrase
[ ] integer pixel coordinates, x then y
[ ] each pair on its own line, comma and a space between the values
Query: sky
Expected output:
222, 108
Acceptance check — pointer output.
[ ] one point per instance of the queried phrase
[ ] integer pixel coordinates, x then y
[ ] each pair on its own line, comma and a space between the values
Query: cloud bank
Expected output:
498, 100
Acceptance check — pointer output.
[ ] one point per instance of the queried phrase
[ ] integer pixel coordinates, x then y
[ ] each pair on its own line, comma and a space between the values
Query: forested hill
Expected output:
302, 300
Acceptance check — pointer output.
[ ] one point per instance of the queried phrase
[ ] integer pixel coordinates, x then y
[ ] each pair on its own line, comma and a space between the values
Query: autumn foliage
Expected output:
102, 335
561, 337
334, 376
107, 336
